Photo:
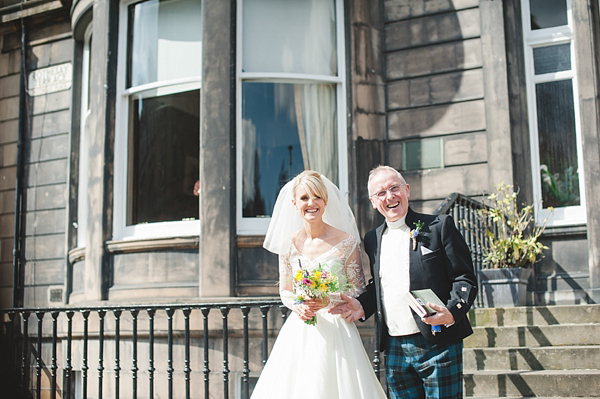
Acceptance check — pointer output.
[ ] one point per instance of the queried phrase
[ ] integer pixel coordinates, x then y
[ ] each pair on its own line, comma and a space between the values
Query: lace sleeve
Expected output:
286, 289
354, 272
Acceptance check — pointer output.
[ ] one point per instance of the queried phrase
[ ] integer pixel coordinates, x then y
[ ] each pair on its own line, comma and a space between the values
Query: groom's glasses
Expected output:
381, 195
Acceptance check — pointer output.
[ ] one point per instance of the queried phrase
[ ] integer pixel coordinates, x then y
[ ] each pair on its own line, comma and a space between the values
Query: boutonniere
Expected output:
416, 232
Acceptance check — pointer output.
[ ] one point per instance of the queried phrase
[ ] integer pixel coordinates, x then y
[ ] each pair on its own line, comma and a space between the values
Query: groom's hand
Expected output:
350, 311
442, 317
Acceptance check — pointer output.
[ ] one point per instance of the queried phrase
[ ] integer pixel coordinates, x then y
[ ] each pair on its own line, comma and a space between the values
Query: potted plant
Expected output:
510, 246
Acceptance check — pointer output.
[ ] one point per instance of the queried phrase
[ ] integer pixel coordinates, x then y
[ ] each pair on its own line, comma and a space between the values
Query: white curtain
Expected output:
316, 116
167, 41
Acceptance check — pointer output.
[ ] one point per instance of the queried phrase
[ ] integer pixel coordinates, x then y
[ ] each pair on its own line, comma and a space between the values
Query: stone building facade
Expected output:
111, 111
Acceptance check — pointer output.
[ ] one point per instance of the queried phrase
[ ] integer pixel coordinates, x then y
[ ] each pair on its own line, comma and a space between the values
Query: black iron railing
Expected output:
94, 352
464, 211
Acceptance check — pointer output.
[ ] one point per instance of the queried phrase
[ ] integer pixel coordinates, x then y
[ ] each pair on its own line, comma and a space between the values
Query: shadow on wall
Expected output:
433, 88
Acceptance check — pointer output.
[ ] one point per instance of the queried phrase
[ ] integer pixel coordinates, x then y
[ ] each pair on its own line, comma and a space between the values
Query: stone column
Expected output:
495, 82
587, 55
101, 125
217, 151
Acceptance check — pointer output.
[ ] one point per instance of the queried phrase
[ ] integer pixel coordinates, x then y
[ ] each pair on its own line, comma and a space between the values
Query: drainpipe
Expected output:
18, 272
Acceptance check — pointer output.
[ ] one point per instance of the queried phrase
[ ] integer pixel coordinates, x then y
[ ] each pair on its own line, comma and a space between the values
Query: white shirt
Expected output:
394, 271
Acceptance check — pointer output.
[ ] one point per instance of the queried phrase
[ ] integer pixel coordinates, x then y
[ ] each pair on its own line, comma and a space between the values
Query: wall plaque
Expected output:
50, 80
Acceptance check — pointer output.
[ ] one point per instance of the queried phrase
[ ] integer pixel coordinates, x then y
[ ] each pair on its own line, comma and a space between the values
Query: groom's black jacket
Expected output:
447, 270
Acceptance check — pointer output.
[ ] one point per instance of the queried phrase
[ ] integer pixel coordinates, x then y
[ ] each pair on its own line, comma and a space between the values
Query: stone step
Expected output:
540, 358
535, 315
548, 383
534, 336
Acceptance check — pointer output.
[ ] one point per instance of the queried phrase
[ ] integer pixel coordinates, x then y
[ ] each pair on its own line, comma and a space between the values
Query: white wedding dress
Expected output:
327, 360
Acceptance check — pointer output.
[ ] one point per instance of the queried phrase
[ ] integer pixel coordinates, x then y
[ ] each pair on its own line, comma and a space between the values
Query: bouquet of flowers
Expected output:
317, 283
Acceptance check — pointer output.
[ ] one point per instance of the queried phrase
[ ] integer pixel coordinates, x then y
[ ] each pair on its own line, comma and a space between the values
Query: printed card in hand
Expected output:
418, 301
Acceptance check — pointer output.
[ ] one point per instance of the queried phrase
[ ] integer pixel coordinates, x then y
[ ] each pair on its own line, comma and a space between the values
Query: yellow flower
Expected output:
313, 284
322, 287
298, 275
318, 276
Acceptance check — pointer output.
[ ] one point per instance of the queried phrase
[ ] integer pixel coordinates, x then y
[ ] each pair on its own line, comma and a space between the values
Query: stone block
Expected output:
8, 155
51, 272
6, 295
432, 29
438, 89
49, 148
10, 85
45, 222
395, 10
10, 63
437, 120
43, 173
47, 197
369, 98
7, 201
436, 184
8, 176
465, 148
52, 102
6, 249
445, 57
425, 206
9, 108
50, 124
78, 276
53, 53
7, 225
45, 247
395, 154
366, 59
9, 131
152, 268
6, 274
369, 126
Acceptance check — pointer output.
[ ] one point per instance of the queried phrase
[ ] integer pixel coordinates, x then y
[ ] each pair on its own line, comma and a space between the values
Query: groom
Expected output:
413, 251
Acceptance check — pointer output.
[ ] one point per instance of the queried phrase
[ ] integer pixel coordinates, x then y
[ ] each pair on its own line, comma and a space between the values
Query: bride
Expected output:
313, 227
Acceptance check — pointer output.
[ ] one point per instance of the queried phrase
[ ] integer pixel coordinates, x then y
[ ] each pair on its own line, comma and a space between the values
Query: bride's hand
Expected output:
304, 311
315, 304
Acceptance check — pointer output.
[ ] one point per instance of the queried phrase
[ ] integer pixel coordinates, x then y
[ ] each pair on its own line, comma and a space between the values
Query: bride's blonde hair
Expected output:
313, 183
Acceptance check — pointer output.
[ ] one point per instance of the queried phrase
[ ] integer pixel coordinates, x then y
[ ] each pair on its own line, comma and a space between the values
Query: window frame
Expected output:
569, 215
82, 184
259, 225
121, 231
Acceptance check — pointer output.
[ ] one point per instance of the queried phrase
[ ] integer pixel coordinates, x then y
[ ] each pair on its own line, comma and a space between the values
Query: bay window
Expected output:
291, 101
158, 120
553, 111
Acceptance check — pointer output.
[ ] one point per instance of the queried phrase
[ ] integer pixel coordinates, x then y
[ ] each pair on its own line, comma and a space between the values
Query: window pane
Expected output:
286, 128
548, 13
164, 152
289, 36
558, 144
165, 41
423, 154
552, 58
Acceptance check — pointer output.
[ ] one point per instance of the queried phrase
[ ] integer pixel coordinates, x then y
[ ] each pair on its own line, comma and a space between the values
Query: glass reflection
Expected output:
547, 13
292, 36
557, 144
286, 128
550, 59
163, 165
